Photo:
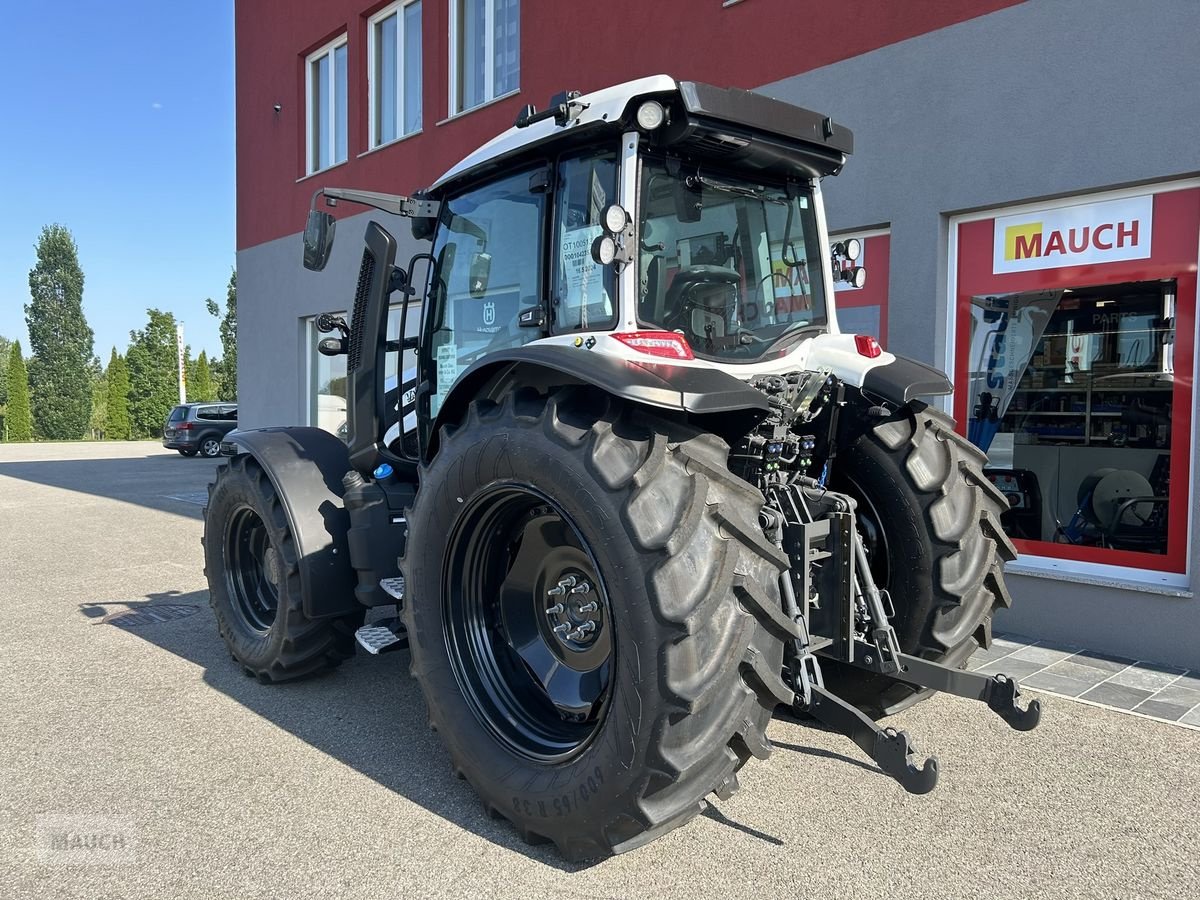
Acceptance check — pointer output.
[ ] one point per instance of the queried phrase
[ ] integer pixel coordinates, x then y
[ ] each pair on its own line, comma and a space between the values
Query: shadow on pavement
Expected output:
367, 714
172, 484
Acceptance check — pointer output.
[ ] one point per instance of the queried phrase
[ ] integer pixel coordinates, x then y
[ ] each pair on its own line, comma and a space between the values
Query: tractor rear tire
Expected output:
937, 546
681, 672
252, 564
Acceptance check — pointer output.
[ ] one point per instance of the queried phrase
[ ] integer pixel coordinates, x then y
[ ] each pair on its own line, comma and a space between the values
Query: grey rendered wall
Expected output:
1047, 98
275, 295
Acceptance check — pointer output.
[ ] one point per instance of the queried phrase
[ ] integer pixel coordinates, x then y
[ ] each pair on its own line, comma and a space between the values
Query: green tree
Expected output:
116, 385
18, 420
226, 369
200, 384
59, 339
153, 379
98, 421
5, 350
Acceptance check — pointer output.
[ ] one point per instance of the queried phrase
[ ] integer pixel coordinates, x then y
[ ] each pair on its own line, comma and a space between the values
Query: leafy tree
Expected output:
59, 338
153, 379
98, 422
5, 350
226, 370
116, 385
18, 420
200, 380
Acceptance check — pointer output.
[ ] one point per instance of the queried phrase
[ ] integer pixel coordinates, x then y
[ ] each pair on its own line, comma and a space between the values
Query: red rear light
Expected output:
184, 426
666, 344
867, 345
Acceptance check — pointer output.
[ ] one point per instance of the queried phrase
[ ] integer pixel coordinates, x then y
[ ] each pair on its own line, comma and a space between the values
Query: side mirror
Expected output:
481, 269
318, 239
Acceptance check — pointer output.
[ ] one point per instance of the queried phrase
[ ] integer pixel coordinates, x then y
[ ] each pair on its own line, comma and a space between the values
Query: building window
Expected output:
394, 64
325, 88
1075, 357
485, 57
865, 310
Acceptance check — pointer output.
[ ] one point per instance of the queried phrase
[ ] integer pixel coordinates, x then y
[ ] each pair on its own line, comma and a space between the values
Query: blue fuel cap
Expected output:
383, 470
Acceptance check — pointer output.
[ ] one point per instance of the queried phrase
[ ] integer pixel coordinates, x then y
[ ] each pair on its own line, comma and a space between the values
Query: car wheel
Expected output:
210, 447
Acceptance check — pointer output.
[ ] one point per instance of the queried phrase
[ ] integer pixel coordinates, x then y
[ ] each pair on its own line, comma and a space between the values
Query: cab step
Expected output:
393, 587
382, 636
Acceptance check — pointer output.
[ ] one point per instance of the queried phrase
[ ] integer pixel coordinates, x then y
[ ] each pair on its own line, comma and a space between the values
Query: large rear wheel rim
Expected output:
528, 623
253, 570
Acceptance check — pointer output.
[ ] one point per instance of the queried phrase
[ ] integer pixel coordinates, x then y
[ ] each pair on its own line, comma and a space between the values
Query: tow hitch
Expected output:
842, 615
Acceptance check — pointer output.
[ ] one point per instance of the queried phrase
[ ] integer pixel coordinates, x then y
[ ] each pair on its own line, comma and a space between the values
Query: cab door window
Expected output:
584, 290
488, 252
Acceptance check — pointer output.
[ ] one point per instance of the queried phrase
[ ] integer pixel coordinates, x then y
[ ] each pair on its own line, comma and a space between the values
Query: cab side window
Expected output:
488, 252
584, 290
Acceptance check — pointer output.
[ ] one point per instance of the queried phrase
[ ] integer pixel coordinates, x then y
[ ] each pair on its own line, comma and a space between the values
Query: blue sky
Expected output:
119, 124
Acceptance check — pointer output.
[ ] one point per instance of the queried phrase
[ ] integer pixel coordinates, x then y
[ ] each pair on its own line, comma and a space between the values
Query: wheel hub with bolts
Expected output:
574, 613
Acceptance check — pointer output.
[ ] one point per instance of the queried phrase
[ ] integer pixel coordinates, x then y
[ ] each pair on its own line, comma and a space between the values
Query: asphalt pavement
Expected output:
124, 722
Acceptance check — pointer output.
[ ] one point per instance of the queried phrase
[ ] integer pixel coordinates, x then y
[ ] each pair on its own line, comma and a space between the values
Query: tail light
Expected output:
184, 426
867, 346
666, 344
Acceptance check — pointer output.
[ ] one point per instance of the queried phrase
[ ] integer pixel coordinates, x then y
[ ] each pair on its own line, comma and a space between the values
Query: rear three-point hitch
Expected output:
840, 614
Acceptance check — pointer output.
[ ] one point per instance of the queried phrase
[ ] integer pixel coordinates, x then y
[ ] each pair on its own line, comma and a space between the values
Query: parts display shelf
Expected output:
1092, 413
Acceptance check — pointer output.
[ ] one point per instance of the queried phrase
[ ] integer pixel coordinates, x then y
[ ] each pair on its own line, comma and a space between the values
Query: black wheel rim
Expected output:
528, 624
253, 570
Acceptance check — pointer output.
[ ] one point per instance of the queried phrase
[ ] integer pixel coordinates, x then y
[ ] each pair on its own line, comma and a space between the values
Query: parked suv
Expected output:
193, 428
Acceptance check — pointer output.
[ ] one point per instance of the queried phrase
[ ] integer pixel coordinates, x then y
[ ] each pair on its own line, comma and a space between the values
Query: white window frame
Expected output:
328, 50
489, 59
396, 8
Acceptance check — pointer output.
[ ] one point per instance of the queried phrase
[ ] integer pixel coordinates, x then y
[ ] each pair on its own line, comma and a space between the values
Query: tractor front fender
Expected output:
728, 406
306, 466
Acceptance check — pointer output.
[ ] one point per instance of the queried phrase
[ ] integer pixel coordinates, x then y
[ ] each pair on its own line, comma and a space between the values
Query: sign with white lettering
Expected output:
1083, 234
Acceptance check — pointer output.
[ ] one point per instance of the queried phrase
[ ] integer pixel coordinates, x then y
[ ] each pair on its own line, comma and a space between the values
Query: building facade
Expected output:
1026, 180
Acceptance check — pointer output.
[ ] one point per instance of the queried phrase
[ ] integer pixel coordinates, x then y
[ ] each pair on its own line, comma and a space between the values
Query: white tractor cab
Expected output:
639, 489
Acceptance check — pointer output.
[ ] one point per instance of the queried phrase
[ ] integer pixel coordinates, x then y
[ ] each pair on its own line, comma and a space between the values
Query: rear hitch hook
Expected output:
1002, 698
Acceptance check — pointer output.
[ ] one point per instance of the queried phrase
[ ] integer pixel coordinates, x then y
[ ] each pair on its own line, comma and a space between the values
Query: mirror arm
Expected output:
396, 204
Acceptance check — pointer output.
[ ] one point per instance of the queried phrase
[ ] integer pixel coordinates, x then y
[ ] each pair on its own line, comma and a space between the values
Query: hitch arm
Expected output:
999, 692
888, 747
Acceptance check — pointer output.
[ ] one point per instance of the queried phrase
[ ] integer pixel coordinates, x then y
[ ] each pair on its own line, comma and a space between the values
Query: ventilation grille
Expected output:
358, 320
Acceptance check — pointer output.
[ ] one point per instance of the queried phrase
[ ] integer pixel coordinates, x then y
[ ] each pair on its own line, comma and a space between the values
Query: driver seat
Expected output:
699, 303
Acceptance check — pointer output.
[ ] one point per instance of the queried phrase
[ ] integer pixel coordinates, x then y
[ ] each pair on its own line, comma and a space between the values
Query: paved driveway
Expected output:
202, 783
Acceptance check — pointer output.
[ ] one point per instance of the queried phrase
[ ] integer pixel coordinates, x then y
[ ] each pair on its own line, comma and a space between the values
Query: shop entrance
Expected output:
1077, 379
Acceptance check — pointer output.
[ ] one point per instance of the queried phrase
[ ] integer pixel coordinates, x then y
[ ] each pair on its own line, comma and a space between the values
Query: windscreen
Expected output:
732, 264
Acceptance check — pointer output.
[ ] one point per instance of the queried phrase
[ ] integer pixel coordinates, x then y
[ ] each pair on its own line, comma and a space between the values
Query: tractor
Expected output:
636, 489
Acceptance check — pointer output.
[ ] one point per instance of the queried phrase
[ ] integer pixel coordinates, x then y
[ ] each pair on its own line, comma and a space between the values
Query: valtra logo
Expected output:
1074, 235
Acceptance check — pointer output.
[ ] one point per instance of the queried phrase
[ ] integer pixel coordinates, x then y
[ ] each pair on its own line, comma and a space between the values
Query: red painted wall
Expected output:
563, 45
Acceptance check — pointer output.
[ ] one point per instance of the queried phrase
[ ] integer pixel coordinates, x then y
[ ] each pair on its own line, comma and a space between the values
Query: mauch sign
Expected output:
1084, 234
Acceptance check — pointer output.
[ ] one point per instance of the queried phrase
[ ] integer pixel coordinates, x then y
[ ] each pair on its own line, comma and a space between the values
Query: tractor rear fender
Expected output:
887, 376
306, 466
722, 403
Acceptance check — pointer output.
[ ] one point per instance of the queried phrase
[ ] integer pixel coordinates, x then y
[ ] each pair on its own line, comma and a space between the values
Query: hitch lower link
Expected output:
892, 750
879, 653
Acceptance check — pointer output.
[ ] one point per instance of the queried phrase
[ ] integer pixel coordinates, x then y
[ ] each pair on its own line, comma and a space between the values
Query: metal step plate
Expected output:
393, 587
376, 639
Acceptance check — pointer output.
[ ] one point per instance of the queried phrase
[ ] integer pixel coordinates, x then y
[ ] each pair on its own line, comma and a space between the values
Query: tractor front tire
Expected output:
252, 565
931, 522
541, 515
